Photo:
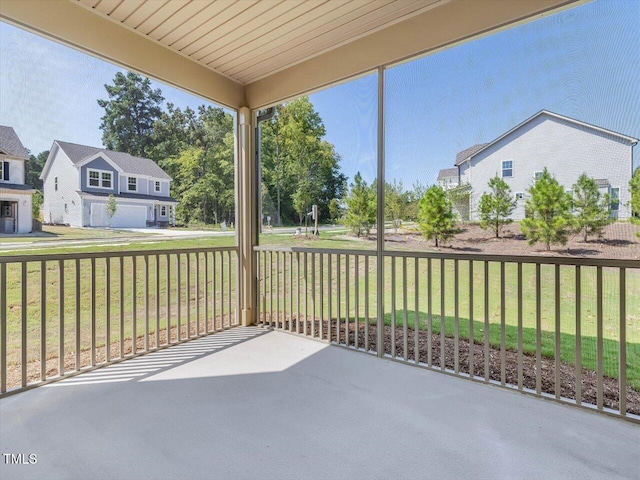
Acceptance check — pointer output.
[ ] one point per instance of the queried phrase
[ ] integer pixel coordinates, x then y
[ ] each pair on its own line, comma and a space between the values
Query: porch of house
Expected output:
254, 403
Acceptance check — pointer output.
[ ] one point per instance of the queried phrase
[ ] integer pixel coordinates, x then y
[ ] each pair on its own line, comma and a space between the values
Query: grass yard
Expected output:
280, 292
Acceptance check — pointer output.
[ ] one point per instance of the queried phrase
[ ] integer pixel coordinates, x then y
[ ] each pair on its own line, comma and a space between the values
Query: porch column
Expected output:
245, 216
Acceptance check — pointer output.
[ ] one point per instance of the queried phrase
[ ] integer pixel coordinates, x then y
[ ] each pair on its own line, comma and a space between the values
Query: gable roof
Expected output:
127, 163
448, 173
466, 153
472, 151
11, 144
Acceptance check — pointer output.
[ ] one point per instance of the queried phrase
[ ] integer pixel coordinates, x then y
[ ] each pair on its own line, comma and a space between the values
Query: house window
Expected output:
519, 195
537, 175
614, 195
132, 184
94, 178
99, 179
507, 168
106, 179
157, 184
163, 211
3, 166
55, 183
66, 208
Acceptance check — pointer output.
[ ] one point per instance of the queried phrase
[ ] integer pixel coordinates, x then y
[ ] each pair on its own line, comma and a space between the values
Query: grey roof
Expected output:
602, 182
464, 154
15, 187
446, 173
128, 163
11, 144
133, 196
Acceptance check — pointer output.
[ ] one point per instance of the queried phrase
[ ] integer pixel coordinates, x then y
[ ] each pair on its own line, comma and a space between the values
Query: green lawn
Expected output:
61, 233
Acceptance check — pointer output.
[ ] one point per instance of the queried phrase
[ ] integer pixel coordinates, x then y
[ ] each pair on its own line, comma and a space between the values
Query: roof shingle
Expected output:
128, 163
11, 144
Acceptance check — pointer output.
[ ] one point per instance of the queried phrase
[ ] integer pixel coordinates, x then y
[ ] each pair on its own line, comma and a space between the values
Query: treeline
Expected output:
298, 168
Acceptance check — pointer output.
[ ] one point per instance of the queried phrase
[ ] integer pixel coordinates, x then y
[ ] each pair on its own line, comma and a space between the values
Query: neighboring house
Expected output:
78, 180
15, 196
566, 147
448, 178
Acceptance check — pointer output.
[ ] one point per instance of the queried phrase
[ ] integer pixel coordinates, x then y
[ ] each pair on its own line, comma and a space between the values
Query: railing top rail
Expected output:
115, 254
570, 261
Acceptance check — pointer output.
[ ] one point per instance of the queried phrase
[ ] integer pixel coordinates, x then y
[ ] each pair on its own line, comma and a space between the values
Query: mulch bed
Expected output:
547, 365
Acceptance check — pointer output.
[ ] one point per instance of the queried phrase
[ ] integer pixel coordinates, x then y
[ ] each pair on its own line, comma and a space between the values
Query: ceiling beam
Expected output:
444, 25
78, 27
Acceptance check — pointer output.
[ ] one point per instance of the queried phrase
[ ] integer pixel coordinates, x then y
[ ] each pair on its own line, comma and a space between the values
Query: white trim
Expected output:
129, 178
93, 157
100, 180
161, 200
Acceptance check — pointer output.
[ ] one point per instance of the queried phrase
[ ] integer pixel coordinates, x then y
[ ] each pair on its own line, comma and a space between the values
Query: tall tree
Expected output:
591, 208
130, 111
496, 206
435, 215
33, 169
548, 212
298, 167
361, 209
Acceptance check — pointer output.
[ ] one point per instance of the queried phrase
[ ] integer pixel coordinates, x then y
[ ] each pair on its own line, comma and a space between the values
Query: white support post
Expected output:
245, 215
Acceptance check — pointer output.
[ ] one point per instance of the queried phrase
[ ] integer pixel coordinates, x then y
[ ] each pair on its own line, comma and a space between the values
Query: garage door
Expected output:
126, 216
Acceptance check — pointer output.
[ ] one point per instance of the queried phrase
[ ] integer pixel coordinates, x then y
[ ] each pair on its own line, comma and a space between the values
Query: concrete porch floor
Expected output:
248, 403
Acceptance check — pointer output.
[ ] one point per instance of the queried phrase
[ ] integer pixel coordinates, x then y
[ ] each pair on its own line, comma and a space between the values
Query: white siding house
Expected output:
15, 196
566, 147
79, 179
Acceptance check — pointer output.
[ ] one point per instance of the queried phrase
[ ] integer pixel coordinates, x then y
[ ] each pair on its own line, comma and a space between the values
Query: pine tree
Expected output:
435, 215
548, 212
361, 207
497, 206
132, 107
591, 208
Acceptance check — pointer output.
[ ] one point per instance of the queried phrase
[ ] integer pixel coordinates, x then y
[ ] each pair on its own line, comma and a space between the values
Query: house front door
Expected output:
8, 217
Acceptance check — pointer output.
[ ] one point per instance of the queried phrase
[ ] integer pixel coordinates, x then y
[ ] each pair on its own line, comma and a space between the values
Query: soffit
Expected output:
246, 40
259, 52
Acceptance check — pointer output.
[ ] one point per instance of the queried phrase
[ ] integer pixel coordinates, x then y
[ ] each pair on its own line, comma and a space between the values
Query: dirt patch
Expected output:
588, 384
619, 241
14, 372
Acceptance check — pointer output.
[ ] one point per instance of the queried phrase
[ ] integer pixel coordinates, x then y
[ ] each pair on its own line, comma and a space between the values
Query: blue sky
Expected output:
583, 63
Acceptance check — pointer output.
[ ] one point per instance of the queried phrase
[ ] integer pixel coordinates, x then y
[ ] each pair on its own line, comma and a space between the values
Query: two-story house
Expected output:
565, 146
79, 179
15, 196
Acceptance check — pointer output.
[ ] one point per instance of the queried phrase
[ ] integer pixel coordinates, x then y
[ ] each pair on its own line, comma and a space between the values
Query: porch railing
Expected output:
69, 313
562, 328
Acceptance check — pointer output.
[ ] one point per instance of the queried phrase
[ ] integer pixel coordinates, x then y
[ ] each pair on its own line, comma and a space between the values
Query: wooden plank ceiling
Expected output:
247, 40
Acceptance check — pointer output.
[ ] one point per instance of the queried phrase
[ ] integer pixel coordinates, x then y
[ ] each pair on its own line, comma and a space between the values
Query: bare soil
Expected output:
619, 241
567, 384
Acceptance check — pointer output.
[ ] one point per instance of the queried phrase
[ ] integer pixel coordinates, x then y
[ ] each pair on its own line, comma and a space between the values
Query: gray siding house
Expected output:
15, 197
78, 179
566, 147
